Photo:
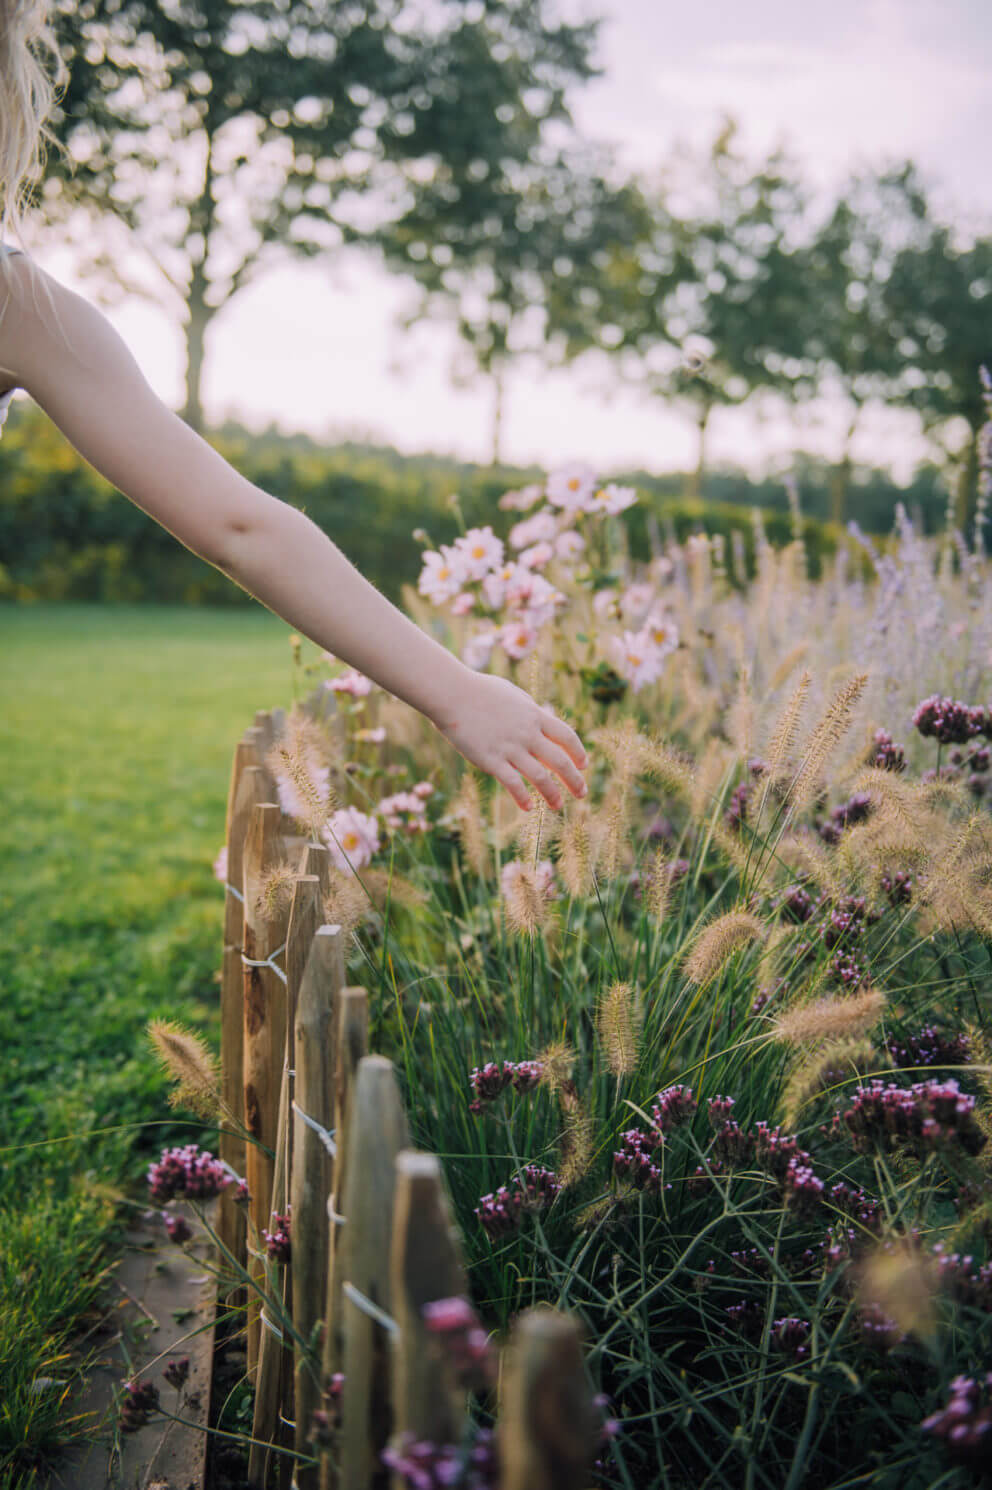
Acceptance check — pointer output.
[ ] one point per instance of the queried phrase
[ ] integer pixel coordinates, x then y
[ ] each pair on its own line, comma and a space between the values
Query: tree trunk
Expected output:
967, 482
199, 313
200, 316
694, 485
840, 476
499, 403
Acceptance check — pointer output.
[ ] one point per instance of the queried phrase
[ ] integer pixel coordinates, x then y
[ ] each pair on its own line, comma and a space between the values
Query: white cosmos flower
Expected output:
571, 486
442, 576
611, 498
637, 658
521, 500
635, 600
662, 630
480, 551
351, 835
603, 603
463, 603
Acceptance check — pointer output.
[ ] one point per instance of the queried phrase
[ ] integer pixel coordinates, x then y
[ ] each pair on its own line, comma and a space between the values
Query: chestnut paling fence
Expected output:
373, 1238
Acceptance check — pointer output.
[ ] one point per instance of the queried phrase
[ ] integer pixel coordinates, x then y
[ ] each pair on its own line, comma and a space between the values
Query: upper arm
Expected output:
75, 366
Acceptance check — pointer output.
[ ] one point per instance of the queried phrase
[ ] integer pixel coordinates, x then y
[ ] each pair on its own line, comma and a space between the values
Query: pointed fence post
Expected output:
426, 1266
264, 1037
246, 790
377, 1131
313, 1167
350, 1045
549, 1427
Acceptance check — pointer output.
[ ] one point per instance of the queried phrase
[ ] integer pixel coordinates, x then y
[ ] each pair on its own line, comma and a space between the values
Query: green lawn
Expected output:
117, 727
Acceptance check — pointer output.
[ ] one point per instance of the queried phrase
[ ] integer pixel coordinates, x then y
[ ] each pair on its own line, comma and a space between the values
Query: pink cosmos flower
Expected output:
604, 602
220, 866
540, 528
351, 835
494, 585
442, 576
571, 486
637, 658
463, 603
518, 639
611, 498
537, 555
480, 552
423, 789
373, 736
355, 683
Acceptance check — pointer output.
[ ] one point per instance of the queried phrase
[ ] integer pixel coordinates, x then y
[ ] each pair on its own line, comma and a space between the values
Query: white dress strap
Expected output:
5, 398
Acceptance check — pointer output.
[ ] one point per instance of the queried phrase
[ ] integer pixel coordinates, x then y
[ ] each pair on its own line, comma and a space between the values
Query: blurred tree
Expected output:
223, 132
939, 298
694, 303
504, 261
843, 332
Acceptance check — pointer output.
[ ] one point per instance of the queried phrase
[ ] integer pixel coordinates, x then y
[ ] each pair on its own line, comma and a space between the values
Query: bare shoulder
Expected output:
39, 318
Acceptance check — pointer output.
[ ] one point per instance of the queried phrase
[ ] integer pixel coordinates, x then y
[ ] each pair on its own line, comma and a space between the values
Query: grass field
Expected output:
117, 727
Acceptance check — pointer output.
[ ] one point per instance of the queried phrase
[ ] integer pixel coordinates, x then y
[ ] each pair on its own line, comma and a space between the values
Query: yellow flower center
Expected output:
573, 485
478, 552
351, 840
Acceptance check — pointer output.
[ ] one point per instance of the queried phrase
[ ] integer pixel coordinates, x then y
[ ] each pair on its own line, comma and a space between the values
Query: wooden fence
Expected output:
373, 1237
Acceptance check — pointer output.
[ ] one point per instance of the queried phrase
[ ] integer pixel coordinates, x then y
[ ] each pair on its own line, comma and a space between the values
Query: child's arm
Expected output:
82, 374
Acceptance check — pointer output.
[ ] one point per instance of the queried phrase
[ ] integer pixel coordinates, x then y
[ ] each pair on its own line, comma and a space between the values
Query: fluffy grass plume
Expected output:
666, 766
852, 1055
740, 718
346, 904
784, 735
386, 885
618, 1025
830, 1018
466, 809
191, 1065
824, 739
717, 943
657, 887
789, 663
575, 849
903, 1282
525, 906
300, 766
275, 891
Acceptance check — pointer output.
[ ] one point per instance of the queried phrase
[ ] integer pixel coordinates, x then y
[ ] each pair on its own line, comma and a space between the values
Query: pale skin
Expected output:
72, 362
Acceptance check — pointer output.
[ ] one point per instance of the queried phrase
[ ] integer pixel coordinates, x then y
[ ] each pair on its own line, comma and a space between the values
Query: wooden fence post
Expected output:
313, 1166
274, 1378
377, 1131
350, 1045
264, 1037
246, 790
549, 1428
426, 1266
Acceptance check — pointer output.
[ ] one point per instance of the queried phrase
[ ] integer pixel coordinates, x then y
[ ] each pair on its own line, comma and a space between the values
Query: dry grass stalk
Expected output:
384, 885
784, 735
830, 1018
853, 1055
575, 850
824, 739
577, 1143
740, 719
193, 1067
805, 857
789, 663
346, 903
716, 760
666, 766
657, 887
466, 809
610, 829
525, 905
717, 943
275, 891
619, 1028
300, 762
556, 1061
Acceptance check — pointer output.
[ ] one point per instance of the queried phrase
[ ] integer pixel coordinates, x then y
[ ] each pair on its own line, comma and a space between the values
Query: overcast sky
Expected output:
856, 82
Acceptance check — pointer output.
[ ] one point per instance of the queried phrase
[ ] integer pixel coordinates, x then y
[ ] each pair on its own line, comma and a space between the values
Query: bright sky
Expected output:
314, 347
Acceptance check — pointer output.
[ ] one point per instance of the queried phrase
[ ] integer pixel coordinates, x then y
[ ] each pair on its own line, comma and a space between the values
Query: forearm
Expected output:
295, 570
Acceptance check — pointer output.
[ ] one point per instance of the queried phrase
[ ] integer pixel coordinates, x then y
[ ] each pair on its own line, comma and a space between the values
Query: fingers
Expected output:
556, 729
528, 765
552, 756
508, 777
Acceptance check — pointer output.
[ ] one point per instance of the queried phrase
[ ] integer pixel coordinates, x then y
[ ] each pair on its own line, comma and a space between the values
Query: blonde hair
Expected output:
32, 73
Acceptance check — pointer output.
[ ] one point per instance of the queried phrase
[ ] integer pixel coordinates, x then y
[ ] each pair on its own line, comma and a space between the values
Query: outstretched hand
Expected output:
501, 729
